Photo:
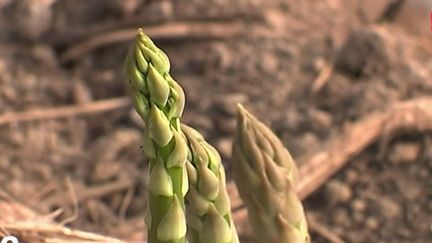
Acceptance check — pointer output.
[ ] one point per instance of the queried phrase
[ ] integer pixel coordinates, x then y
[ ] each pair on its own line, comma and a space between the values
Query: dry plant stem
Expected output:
159, 100
85, 32
90, 192
266, 177
178, 30
208, 205
318, 167
14, 211
51, 233
65, 111
29, 226
322, 78
323, 231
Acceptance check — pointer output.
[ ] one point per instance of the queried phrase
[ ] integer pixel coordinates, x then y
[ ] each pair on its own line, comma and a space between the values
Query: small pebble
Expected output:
45, 54
319, 121
337, 192
306, 142
223, 57
372, 223
269, 63
358, 205
127, 7
363, 52
404, 152
317, 64
164, 9
410, 189
32, 19
358, 217
292, 120
341, 217
388, 208
351, 176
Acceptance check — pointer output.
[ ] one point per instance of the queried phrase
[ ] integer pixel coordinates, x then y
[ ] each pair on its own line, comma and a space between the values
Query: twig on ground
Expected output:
92, 192
74, 201
177, 30
65, 111
323, 230
29, 226
42, 193
322, 78
53, 215
126, 203
319, 167
36, 232
12, 211
83, 32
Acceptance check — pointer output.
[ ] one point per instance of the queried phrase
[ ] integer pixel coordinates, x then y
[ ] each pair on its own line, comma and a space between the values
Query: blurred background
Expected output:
70, 139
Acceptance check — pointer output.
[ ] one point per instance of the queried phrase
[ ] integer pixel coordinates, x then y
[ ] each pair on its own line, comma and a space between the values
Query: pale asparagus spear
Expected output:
266, 176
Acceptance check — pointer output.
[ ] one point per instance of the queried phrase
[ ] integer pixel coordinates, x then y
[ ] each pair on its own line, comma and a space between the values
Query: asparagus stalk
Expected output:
208, 207
159, 100
266, 177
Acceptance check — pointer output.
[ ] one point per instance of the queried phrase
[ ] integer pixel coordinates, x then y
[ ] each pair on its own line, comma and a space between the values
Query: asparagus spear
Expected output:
266, 177
208, 206
159, 100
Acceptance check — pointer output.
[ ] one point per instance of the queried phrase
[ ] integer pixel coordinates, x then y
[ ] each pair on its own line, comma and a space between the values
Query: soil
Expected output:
376, 58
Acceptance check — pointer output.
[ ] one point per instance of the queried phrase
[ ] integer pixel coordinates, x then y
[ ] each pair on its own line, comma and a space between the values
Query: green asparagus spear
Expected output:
208, 206
266, 177
159, 100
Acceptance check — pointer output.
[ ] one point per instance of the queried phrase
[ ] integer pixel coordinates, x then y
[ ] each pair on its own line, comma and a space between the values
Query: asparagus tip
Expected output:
240, 108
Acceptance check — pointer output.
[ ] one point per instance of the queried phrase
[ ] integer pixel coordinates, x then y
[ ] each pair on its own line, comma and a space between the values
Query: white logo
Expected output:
9, 239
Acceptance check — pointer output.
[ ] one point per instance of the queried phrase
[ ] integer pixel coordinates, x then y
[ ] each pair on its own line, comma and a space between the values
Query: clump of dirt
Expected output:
94, 163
